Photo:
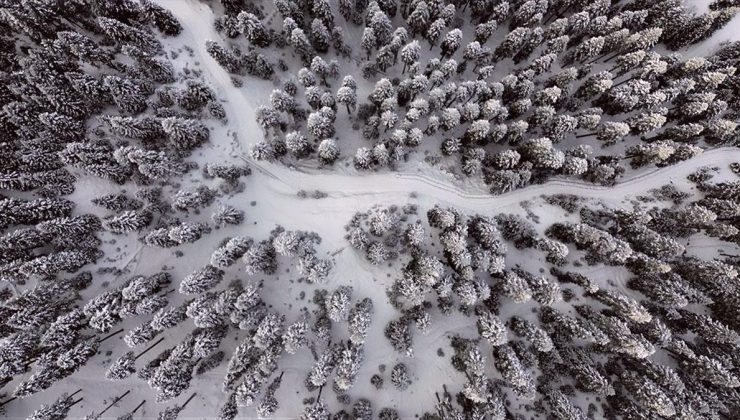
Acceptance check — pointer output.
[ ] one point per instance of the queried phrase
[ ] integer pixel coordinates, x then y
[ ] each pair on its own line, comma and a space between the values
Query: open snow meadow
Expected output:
369, 209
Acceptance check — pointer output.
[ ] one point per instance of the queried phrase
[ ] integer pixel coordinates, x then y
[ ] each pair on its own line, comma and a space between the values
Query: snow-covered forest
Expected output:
369, 209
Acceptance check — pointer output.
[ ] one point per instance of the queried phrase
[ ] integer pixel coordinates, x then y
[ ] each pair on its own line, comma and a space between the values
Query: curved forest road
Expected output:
197, 20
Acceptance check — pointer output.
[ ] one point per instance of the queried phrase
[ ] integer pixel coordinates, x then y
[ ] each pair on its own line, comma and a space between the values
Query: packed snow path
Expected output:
197, 19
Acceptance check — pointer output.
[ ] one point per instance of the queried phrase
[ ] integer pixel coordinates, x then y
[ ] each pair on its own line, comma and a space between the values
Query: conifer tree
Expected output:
126, 34
160, 17
451, 42
57, 410
253, 29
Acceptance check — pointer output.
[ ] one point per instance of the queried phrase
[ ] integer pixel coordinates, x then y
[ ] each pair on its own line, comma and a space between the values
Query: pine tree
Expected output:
142, 128
302, 45
513, 41
229, 410
609, 132
58, 409
369, 41
362, 410
538, 337
451, 42
140, 287
295, 335
184, 134
400, 377
321, 123
359, 320
269, 404
140, 335
124, 366
434, 31
149, 66
347, 94
491, 328
339, 303
318, 411
171, 413
126, 34
78, 355
269, 330
711, 370
410, 54
64, 330
646, 122
227, 215
649, 394
348, 366
297, 144
225, 58
418, 19
324, 366
399, 334
363, 158
160, 17
544, 291
201, 280
230, 252
128, 95
513, 372
253, 29
320, 36
83, 47
173, 376
595, 85
150, 164
709, 328
588, 49
561, 408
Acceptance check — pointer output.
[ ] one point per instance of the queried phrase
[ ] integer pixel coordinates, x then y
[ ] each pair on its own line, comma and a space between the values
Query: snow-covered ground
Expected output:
270, 199
274, 187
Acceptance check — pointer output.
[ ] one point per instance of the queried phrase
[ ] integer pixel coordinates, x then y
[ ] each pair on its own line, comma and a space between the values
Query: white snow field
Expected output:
271, 198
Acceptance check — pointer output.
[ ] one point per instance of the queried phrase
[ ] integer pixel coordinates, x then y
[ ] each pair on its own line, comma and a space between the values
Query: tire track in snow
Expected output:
712, 157
377, 188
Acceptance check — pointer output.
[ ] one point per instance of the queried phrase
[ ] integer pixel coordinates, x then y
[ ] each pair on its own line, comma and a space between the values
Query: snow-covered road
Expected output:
338, 185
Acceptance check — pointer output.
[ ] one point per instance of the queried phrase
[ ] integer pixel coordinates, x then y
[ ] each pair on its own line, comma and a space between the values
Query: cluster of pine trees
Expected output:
88, 92
664, 346
510, 92
513, 92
